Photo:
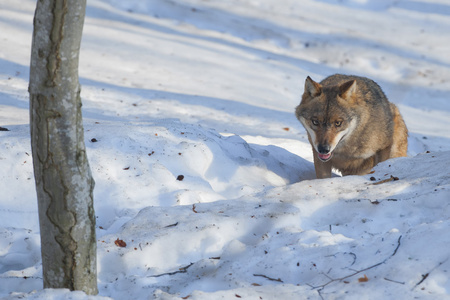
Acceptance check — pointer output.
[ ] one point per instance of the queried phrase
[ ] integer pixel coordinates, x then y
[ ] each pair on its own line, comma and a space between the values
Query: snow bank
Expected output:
166, 163
341, 237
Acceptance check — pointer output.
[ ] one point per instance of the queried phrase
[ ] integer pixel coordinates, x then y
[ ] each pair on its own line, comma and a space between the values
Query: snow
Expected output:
202, 169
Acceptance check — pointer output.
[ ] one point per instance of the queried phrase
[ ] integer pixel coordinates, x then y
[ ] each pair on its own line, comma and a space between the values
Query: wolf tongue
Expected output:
324, 156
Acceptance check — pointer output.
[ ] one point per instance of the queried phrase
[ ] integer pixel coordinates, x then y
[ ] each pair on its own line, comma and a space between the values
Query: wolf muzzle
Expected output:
323, 151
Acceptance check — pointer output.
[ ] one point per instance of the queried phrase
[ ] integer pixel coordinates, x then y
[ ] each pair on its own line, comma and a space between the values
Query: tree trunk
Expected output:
64, 182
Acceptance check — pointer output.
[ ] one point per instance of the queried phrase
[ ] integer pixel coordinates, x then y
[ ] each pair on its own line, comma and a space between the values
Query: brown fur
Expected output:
350, 124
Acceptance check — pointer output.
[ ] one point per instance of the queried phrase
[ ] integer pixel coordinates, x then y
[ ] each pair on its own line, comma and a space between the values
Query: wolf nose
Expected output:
324, 149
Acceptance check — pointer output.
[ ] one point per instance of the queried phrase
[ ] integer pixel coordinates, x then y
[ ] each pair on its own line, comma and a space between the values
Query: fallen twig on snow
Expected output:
395, 281
267, 277
356, 272
180, 270
392, 178
171, 225
425, 276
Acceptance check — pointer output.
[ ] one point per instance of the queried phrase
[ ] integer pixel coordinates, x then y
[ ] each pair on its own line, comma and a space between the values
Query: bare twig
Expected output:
392, 178
356, 272
21, 277
395, 281
267, 277
354, 257
395, 251
180, 270
171, 225
320, 294
425, 276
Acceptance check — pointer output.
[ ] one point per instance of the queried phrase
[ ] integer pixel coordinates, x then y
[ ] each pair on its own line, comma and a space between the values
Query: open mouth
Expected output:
325, 157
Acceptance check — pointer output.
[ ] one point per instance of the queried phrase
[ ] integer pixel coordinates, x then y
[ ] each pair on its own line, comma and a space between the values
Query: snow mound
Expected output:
341, 237
166, 162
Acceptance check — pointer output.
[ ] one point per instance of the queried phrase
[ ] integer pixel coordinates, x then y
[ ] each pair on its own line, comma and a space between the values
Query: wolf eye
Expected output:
338, 123
315, 122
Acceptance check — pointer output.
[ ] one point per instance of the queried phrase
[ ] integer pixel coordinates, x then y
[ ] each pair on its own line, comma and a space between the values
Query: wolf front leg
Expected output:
323, 169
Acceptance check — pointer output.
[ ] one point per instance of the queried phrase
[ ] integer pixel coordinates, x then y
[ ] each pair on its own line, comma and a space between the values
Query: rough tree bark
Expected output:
64, 183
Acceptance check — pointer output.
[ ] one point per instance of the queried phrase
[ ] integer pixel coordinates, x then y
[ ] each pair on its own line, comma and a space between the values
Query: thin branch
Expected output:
171, 225
395, 281
21, 277
354, 257
321, 287
395, 251
392, 178
267, 277
181, 270
320, 294
425, 276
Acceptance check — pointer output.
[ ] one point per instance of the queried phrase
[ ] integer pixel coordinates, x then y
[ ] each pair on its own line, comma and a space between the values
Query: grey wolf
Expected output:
351, 125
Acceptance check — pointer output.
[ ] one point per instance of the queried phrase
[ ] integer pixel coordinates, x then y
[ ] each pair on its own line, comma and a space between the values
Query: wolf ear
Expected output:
312, 88
347, 89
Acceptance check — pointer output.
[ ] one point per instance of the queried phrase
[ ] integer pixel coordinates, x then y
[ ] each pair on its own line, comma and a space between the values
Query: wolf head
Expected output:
328, 115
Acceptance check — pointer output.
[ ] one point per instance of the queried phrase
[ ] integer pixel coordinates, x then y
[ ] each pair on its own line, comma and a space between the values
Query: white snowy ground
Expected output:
207, 90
